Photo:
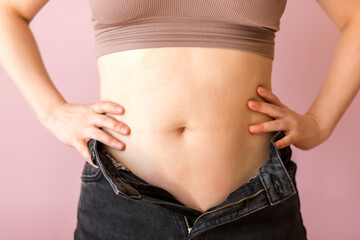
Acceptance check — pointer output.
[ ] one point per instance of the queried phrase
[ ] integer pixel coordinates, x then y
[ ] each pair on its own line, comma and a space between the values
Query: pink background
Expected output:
40, 176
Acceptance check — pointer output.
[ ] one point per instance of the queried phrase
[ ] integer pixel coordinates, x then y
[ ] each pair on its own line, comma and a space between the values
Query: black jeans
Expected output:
116, 204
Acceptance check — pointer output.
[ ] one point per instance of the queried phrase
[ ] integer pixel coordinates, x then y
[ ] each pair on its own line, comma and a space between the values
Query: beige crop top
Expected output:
248, 25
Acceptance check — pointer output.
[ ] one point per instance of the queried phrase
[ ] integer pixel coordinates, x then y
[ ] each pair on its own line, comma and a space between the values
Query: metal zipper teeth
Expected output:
187, 224
231, 204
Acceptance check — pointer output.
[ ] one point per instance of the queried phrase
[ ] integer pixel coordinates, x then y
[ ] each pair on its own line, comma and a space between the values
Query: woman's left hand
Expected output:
303, 131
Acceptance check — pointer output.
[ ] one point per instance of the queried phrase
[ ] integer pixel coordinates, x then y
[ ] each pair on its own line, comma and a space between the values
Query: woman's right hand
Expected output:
76, 124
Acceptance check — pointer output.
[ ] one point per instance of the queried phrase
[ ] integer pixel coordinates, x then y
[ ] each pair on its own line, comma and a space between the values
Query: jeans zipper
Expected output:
225, 206
187, 224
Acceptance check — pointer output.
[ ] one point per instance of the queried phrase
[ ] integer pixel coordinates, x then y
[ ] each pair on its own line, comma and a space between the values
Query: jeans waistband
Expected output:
272, 179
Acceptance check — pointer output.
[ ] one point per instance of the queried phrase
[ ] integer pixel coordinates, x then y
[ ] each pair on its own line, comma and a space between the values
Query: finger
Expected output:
84, 151
267, 108
105, 138
105, 121
107, 107
268, 96
283, 142
270, 126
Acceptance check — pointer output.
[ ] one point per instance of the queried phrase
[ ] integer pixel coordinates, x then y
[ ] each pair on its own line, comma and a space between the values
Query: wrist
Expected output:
45, 117
324, 129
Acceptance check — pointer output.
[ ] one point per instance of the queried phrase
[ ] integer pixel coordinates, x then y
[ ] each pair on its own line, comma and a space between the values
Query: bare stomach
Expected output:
188, 115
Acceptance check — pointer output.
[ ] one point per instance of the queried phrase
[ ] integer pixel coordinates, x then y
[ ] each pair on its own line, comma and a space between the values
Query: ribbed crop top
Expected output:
249, 25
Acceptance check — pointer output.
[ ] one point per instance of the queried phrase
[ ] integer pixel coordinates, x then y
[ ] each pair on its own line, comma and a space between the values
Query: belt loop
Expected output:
274, 176
91, 148
108, 170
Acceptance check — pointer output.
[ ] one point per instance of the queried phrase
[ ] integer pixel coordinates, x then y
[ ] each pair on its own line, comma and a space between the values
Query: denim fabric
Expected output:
116, 204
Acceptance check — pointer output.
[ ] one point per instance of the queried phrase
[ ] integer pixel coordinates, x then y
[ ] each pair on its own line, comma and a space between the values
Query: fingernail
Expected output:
253, 128
119, 109
124, 130
119, 145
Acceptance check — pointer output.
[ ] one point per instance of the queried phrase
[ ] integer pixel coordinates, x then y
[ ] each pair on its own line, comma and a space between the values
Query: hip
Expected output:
265, 207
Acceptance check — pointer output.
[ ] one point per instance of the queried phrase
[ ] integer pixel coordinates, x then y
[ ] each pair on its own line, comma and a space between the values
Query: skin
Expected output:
75, 124
305, 131
189, 131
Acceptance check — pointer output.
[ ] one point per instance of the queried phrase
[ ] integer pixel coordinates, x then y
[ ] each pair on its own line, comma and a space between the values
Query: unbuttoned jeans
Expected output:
116, 204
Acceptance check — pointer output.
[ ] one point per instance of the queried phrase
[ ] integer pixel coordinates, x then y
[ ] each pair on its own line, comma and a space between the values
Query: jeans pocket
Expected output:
90, 173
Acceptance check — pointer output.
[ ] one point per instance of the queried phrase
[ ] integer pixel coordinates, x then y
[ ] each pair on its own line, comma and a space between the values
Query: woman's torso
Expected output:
188, 114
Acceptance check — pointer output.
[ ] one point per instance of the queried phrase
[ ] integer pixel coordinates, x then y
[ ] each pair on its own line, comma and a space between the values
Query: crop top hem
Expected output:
183, 33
